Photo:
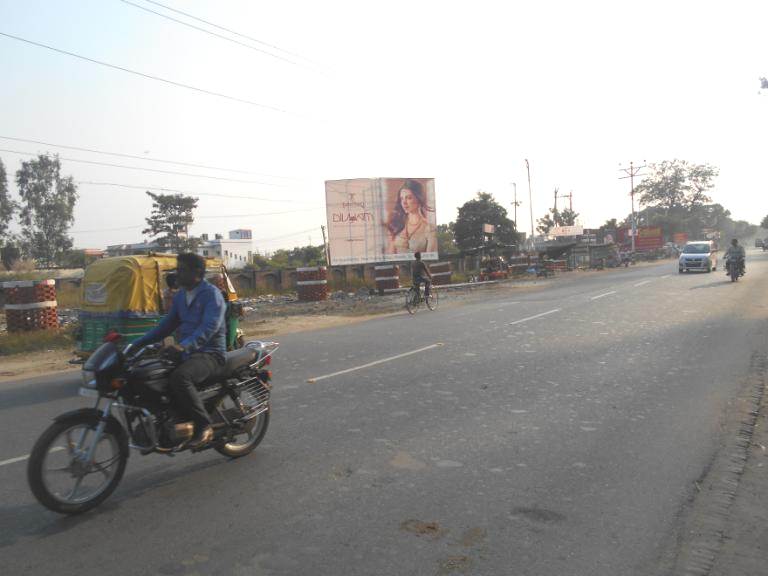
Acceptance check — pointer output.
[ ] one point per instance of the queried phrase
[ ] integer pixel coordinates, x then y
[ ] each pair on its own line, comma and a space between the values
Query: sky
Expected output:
458, 91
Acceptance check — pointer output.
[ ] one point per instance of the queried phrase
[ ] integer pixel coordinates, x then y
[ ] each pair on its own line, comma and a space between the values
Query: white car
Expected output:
701, 256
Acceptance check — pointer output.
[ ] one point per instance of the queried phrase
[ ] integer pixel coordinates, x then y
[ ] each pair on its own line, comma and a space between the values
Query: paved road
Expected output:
553, 431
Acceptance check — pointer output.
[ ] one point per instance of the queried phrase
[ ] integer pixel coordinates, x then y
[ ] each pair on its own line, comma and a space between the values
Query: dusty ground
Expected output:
35, 364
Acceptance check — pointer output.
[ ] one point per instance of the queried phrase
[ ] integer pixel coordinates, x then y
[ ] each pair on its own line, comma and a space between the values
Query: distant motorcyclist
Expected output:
736, 252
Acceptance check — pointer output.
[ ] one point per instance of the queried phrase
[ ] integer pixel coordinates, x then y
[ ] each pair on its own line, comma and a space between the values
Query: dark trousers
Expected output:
184, 381
422, 280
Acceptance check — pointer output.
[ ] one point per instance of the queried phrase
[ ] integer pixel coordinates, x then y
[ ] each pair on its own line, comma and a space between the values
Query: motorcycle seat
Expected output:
238, 358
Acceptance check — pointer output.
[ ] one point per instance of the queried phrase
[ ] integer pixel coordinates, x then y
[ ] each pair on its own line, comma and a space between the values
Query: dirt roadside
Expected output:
745, 540
28, 365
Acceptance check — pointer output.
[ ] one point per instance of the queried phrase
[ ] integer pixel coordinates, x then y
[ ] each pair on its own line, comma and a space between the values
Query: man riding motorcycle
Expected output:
197, 315
736, 252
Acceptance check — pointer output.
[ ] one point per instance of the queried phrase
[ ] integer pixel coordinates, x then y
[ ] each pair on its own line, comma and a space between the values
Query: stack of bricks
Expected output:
30, 305
312, 283
556, 265
387, 277
441, 273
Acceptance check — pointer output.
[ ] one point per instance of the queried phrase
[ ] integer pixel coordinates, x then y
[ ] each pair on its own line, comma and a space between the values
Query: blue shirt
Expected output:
200, 323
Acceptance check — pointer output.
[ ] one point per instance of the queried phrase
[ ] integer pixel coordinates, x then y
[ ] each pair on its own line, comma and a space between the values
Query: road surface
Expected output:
558, 431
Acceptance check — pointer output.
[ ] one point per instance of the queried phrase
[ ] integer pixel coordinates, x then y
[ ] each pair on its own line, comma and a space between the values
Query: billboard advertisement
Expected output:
648, 238
559, 231
380, 219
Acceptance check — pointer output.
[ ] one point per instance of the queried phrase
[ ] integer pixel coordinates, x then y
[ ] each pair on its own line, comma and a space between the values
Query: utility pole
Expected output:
516, 203
530, 198
325, 247
631, 172
569, 196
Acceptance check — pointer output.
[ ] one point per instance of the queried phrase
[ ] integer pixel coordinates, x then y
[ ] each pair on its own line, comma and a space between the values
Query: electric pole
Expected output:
631, 172
569, 196
325, 248
516, 203
530, 198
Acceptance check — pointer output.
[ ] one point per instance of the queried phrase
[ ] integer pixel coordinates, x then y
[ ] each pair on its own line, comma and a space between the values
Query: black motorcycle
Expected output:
734, 267
79, 460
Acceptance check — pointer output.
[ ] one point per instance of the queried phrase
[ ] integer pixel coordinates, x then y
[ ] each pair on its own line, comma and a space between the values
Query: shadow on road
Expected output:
722, 283
31, 520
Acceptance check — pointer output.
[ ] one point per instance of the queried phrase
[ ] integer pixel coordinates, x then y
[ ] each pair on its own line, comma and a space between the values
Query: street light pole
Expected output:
530, 198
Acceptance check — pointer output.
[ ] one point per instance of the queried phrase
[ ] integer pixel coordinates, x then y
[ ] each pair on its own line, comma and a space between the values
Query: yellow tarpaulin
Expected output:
128, 283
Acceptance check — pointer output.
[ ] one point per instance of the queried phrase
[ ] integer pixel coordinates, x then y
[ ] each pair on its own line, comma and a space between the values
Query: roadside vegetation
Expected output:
36, 341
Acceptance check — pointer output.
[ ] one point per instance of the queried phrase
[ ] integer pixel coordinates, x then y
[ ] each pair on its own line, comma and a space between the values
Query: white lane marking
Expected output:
534, 317
374, 363
22, 458
603, 295
666, 276
643, 283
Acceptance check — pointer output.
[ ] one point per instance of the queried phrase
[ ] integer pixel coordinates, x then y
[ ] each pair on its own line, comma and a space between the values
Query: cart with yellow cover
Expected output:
131, 294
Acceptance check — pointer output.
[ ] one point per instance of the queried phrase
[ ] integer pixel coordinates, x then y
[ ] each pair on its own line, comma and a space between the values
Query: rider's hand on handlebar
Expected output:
172, 352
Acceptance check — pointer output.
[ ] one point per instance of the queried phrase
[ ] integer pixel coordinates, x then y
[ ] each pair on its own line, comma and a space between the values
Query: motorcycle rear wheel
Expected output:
247, 441
41, 477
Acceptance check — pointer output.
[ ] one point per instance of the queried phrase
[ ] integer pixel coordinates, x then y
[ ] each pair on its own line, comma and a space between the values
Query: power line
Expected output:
149, 76
209, 23
177, 191
172, 19
263, 240
155, 170
136, 157
260, 214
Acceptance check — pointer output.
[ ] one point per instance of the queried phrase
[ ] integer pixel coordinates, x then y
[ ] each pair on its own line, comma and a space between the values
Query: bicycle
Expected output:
415, 296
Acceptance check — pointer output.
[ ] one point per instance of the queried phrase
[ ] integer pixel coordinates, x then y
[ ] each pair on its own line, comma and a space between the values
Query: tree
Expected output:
568, 217
483, 209
7, 205
555, 217
47, 209
764, 83
676, 185
10, 252
764, 223
611, 224
299, 256
169, 222
446, 241
548, 221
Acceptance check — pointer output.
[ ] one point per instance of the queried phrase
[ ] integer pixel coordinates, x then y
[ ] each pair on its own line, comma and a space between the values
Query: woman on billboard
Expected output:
409, 227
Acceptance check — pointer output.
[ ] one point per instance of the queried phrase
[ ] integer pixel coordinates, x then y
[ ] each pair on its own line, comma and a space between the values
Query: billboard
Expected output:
559, 231
648, 238
380, 219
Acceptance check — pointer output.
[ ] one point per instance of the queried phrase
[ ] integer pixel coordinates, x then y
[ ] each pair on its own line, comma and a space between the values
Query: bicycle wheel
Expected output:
411, 301
432, 300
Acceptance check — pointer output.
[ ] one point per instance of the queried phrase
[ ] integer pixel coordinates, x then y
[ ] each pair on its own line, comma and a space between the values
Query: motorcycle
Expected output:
80, 459
734, 267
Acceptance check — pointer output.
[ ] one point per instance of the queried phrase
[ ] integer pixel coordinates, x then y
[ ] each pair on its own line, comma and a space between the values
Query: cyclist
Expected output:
421, 273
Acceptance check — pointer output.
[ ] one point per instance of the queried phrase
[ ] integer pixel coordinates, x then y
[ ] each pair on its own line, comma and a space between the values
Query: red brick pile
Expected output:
30, 305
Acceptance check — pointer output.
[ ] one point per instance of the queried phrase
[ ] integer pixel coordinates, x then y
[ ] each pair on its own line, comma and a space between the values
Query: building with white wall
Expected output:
235, 251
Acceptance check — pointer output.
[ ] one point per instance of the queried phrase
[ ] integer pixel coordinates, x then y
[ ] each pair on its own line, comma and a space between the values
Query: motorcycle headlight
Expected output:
89, 379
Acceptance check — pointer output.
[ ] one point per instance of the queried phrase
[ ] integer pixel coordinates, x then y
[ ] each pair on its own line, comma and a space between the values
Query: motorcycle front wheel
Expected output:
69, 471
